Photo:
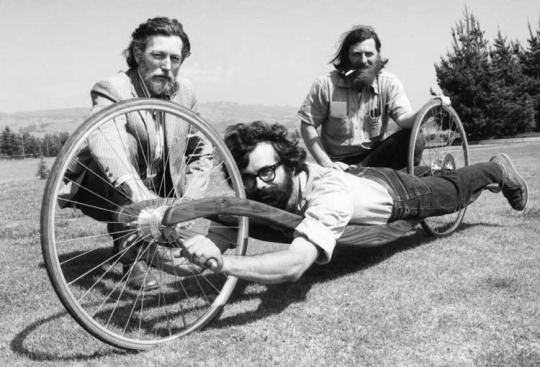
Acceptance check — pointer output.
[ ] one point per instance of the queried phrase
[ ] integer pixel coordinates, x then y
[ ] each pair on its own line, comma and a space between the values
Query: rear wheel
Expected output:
439, 130
88, 276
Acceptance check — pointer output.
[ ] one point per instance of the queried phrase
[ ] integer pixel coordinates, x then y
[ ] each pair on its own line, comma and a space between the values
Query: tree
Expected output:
510, 109
43, 171
487, 85
8, 142
463, 75
530, 62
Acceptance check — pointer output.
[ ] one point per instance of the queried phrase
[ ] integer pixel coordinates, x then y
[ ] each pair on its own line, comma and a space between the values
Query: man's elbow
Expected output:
295, 275
296, 271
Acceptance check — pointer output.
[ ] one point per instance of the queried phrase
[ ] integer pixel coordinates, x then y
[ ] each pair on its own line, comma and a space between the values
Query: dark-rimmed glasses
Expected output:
266, 174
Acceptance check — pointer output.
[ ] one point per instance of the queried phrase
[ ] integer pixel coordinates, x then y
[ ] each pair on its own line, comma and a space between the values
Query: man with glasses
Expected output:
274, 172
352, 105
129, 159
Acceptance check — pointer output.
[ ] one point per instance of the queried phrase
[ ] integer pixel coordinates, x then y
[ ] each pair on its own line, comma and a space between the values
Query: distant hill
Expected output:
220, 114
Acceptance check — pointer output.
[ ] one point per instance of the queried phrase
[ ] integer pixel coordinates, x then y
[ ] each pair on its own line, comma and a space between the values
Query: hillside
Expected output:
220, 114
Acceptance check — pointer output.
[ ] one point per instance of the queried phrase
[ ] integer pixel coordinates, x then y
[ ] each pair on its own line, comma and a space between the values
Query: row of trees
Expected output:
495, 88
20, 145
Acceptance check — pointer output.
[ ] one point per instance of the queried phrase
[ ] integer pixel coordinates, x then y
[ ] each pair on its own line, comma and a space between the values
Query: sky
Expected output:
249, 52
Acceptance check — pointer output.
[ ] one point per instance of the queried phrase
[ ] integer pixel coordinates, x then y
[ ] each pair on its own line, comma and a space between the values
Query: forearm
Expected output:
406, 121
314, 144
275, 267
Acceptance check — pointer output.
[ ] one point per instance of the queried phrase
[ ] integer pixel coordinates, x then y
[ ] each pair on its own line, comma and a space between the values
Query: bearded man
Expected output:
352, 105
139, 156
274, 172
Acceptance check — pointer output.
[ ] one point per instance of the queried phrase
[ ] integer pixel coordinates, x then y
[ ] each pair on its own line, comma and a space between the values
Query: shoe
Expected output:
140, 276
133, 264
513, 186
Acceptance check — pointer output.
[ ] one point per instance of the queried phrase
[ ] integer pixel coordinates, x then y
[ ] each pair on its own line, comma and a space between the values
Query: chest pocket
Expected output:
339, 125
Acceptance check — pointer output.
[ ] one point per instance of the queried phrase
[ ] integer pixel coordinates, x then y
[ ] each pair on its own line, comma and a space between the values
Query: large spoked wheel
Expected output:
438, 129
89, 277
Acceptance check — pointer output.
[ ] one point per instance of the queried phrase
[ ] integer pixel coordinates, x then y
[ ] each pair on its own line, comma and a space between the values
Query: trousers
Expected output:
391, 152
427, 196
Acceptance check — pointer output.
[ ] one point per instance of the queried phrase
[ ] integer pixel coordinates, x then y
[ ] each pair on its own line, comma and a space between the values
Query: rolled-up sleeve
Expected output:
398, 102
329, 210
314, 109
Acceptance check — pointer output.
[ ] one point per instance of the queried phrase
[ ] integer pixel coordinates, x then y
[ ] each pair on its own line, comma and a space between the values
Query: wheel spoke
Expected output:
88, 276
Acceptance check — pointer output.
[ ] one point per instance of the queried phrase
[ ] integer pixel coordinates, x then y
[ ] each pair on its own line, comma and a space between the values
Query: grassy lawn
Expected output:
470, 299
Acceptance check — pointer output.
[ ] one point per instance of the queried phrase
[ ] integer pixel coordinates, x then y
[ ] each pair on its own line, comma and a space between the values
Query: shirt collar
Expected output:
144, 88
297, 200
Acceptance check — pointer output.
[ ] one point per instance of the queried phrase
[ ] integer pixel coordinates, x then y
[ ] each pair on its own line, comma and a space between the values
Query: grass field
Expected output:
471, 299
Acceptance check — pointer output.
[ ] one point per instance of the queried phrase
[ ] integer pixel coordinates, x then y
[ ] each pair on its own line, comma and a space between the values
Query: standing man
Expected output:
140, 156
274, 172
351, 107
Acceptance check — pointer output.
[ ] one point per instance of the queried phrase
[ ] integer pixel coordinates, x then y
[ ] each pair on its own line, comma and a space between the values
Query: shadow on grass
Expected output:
273, 299
17, 345
346, 259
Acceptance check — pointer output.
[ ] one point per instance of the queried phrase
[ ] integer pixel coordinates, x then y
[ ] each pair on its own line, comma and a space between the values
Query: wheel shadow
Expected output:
17, 344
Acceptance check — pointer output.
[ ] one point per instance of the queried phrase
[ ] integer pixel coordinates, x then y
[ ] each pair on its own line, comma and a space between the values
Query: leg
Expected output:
393, 152
422, 197
99, 199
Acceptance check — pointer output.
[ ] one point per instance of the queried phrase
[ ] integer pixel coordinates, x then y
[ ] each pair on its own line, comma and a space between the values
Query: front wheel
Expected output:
439, 131
90, 278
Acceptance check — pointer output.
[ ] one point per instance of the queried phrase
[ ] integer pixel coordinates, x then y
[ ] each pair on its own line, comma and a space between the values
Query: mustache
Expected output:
167, 77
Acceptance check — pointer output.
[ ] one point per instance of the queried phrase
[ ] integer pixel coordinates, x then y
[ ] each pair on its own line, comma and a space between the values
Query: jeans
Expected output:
422, 197
392, 152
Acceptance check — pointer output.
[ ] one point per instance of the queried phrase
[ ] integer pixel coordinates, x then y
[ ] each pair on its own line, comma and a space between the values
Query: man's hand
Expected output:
202, 251
340, 166
445, 100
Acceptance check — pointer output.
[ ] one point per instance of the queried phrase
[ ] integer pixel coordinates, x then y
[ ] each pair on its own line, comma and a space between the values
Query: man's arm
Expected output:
406, 121
313, 143
271, 268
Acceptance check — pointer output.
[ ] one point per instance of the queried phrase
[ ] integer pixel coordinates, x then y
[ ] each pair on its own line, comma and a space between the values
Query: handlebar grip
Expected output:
211, 264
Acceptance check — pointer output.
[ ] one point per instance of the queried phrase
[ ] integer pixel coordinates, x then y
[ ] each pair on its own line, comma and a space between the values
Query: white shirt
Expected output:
329, 200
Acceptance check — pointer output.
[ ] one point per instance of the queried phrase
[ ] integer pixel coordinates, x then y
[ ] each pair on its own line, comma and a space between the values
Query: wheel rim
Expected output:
89, 279
444, 141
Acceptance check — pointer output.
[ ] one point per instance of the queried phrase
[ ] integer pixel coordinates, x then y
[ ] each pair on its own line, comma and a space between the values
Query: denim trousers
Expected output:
391, 152
422, 197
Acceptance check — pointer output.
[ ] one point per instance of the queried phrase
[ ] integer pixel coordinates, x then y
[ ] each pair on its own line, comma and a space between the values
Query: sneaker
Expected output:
513, 186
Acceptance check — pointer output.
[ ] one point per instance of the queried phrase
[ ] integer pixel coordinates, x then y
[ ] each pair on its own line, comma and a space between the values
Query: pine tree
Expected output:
43, 171
8, 143
510, 108
530, 62
463, 75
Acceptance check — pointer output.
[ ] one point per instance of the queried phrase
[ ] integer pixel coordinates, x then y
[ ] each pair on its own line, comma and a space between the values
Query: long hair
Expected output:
155, 26
359, 33
242, 138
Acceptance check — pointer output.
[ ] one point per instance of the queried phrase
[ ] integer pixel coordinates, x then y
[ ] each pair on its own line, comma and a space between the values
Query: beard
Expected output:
273, 196
159, 86
364, 77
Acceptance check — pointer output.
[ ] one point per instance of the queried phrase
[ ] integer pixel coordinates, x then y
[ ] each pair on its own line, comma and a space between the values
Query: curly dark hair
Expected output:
359, 33
156, 26
242, 138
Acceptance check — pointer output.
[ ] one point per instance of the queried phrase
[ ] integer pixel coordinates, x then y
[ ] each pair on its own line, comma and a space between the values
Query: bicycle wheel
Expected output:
439, 129
89, 277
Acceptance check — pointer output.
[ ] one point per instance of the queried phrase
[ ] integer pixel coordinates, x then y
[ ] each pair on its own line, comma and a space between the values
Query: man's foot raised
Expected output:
514, 186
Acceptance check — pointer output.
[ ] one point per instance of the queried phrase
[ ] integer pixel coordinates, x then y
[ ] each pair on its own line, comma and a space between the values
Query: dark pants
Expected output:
392, 152
422, 197
100, 200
